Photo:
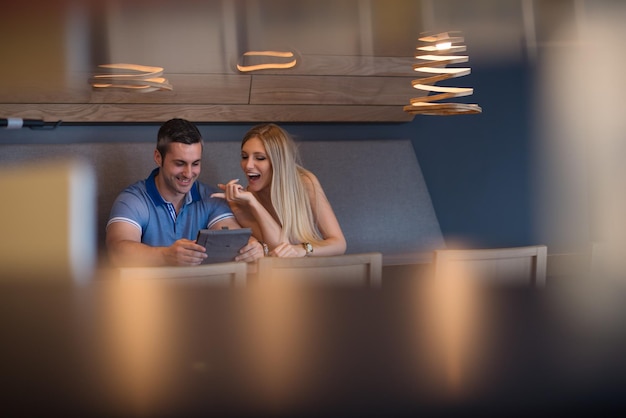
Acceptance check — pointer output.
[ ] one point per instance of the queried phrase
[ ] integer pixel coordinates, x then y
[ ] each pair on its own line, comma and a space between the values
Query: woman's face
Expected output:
256, 165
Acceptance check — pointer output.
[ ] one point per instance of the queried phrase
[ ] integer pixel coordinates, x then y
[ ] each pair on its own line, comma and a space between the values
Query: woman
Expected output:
284, 204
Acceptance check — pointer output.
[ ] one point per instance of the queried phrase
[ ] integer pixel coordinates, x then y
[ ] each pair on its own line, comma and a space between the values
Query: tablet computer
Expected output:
222, 245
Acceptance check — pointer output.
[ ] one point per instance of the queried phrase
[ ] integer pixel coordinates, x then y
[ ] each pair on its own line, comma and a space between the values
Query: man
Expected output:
154, 222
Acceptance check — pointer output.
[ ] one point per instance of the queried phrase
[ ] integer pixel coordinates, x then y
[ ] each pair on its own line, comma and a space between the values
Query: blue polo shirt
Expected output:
142, 206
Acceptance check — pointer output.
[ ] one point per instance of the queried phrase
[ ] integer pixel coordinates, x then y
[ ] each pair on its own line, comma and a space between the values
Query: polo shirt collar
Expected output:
153, 192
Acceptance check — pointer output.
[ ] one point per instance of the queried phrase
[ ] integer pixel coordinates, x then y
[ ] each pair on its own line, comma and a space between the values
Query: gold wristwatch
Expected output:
308, 248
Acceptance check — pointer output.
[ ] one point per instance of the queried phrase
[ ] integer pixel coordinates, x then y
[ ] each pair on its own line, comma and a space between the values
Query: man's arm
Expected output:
123, 241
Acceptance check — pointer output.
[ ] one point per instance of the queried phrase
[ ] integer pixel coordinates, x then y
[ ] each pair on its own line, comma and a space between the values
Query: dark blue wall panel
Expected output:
477, 167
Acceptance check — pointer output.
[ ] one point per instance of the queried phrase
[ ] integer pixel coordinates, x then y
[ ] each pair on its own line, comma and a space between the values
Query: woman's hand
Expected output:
234, 193
288, 250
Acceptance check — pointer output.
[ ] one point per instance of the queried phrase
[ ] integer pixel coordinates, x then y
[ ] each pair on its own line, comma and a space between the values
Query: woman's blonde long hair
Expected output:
288, 194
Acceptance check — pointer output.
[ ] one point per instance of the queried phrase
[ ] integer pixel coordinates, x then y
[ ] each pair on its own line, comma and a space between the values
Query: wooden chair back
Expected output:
516, 265
364, 269
218, 274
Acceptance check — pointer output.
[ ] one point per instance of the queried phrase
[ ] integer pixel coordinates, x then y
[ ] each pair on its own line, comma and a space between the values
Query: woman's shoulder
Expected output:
311, 183
307, 177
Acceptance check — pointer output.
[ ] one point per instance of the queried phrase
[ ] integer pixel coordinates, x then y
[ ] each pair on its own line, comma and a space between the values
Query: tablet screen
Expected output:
222, 245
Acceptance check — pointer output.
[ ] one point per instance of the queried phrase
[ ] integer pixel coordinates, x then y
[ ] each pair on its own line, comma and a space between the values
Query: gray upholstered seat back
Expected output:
378, 193
375, 187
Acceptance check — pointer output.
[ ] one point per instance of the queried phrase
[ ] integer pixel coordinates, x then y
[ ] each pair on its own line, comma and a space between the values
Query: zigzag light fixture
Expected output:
266, 60
130, 77
436, 53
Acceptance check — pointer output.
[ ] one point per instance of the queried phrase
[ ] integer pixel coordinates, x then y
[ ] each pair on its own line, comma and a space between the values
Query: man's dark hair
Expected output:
177, 130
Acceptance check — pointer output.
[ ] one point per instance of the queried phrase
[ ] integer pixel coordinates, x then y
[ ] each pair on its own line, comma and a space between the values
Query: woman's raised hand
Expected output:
233, 192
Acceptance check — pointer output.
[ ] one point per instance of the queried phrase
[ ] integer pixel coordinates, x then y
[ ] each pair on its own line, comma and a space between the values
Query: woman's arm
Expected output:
333, 242
246, 207
250, 213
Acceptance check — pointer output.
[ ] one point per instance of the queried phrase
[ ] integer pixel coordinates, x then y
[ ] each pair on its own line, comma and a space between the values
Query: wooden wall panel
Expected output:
117, 112
187, 88
352, 65
226, 97
336, 90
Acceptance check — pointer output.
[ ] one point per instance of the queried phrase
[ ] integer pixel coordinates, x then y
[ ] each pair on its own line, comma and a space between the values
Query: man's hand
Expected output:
252, 251
184, 252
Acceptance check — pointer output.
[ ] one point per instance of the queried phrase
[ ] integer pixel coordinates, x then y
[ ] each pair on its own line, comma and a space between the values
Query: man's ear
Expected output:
158, 159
